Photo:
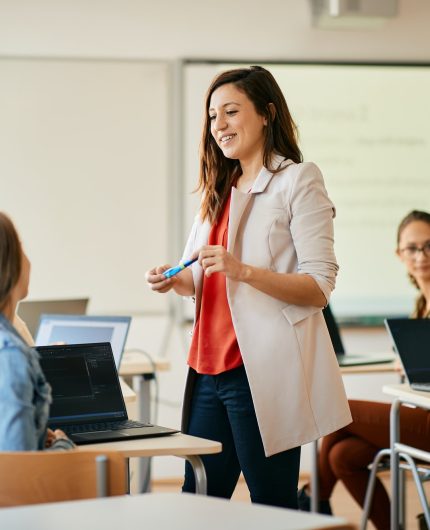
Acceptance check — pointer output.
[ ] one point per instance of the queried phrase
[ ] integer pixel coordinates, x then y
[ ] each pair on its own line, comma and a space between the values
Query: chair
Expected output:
381, 462
42, 476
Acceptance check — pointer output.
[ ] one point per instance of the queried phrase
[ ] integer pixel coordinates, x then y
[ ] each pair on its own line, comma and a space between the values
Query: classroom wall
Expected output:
274, 29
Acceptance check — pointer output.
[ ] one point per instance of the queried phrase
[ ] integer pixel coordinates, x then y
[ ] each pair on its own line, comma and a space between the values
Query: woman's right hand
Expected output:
157, 281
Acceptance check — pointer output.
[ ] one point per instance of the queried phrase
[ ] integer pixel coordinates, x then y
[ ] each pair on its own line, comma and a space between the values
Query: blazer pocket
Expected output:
297, 313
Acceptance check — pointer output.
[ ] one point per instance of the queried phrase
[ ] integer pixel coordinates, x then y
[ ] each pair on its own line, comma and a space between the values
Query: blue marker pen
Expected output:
174, 270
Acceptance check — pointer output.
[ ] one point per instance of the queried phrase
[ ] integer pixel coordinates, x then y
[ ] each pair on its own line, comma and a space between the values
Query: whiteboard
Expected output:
368, 128
83, 169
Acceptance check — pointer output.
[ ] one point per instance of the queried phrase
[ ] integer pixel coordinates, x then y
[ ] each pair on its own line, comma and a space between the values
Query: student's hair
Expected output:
218, 173
415, 215
10, 259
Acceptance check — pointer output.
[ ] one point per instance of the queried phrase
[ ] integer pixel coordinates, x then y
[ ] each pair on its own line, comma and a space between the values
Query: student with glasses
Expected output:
346, 454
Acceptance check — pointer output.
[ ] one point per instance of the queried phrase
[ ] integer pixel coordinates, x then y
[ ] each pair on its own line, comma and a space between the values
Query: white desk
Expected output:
344, 370
139, 371
128, 394
136, 369
182, 445
162, 512
404, 396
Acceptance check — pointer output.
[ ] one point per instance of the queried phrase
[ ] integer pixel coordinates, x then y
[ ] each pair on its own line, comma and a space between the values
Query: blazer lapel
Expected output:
240, 200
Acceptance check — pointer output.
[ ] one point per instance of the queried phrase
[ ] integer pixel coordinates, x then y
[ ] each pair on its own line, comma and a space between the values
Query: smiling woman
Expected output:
265, 268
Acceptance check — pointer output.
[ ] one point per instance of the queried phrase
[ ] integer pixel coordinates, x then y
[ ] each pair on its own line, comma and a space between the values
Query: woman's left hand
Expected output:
215, 258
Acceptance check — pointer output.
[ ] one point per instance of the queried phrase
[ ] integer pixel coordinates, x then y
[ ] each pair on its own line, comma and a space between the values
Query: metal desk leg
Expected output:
199, 473
314, 477
394, 438
142, 387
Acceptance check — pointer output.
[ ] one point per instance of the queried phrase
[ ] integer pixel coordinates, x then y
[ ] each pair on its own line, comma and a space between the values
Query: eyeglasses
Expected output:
412, 251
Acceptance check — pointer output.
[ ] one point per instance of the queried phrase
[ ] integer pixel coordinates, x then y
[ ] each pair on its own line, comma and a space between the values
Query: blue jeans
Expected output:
222, 410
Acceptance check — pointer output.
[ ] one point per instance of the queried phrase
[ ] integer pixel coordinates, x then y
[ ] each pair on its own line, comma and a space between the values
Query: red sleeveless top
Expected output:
214, 348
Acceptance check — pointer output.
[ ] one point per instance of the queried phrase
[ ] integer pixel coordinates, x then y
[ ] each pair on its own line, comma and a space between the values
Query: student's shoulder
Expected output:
12, 344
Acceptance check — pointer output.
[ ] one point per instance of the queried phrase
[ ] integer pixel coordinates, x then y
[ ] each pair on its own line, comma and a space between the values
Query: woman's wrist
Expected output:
246, 273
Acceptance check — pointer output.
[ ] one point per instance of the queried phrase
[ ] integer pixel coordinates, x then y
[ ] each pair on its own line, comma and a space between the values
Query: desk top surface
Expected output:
137, 363
369, 368
162, 511
174, 445
405, 392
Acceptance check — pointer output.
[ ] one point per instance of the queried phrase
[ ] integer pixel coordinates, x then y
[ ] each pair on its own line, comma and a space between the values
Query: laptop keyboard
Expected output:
104, 426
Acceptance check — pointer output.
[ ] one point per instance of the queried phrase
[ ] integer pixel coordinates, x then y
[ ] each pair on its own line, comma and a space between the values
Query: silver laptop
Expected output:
84, 329
31, 310
87, 399
411, 339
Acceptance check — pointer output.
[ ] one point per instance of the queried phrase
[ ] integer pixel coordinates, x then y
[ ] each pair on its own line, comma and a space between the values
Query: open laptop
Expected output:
87, 399
411, 339
83, 329
30, 310
348, 359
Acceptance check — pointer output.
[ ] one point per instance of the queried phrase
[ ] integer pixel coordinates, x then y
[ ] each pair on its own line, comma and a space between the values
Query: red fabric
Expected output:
214, 348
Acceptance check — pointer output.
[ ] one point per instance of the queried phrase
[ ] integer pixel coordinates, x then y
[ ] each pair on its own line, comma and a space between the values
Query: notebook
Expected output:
411, 339
30, 310
83, 329
347, 359
87, 399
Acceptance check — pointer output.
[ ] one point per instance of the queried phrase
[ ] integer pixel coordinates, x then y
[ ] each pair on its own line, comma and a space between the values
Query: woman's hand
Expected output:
215, 258
182, 283
52, 436
158, 282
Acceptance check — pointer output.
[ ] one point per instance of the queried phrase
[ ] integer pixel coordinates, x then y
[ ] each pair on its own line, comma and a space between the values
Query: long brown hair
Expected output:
10, 259
218, 173
415, 215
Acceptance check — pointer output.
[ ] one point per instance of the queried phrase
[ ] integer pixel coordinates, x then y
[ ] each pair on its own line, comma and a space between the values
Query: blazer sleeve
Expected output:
311, 227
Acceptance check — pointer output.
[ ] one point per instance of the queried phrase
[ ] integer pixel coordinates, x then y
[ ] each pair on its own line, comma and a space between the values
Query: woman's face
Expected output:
414, 250
235, 125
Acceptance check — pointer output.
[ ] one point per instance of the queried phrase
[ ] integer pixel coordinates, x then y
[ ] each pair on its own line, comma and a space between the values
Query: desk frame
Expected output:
406, 452
138, 372
180, 445
344, 370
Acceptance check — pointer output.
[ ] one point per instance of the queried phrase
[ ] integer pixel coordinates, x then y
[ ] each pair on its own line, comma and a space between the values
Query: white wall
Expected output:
239, 29
273, 29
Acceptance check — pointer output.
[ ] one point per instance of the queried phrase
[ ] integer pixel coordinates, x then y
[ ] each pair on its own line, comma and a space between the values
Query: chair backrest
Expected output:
333, 330
42, 476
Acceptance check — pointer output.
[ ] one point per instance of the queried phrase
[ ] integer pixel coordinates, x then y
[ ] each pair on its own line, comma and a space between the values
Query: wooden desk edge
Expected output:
368, 368
134, 363
172, 445
404, 391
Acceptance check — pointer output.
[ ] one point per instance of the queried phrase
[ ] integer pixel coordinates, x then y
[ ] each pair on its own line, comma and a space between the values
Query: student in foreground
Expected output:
24, 393
346, 454
263, 377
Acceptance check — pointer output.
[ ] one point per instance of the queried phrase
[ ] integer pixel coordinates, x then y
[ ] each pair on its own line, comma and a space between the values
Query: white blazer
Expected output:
285, 224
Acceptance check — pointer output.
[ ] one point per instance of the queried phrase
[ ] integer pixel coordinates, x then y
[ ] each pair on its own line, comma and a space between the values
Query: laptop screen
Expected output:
84, 381
411, 339
31, 310
83, 329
